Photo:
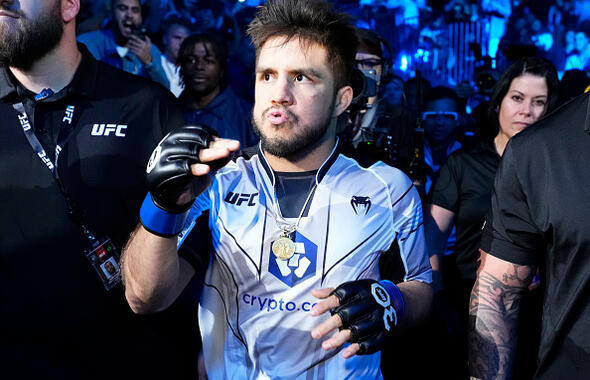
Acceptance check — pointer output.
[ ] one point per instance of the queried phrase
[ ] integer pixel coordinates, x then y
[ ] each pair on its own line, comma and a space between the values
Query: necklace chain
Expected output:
293, 227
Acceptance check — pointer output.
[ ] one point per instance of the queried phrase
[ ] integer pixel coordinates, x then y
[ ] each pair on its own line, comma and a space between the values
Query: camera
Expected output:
364, 86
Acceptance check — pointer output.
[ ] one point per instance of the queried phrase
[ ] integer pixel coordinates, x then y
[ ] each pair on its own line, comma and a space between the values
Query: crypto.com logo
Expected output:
300, 266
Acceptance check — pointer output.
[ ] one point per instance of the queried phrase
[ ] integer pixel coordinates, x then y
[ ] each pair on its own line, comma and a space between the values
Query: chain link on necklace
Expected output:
284, 247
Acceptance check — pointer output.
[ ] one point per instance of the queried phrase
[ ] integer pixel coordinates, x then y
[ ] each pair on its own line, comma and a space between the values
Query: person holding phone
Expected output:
125, 44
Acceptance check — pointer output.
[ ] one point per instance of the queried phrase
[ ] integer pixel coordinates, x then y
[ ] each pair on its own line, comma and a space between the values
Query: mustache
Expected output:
10, 10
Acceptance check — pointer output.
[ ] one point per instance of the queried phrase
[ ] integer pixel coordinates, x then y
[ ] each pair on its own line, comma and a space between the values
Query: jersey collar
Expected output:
321, 171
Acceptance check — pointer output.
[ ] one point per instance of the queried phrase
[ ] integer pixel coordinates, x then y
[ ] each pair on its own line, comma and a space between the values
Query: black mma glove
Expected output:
169, 176
370, 309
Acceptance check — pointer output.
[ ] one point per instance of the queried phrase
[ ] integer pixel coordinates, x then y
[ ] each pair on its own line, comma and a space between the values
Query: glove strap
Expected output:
397, 299
160, 222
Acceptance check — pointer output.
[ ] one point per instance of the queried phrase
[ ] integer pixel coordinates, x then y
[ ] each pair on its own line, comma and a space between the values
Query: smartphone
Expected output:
139, 31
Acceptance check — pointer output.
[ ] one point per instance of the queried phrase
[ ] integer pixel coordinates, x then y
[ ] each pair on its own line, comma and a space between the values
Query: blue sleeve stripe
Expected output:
158, 221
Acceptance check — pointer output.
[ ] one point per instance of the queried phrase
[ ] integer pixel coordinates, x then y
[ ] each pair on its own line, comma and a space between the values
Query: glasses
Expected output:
370, 63
446, 115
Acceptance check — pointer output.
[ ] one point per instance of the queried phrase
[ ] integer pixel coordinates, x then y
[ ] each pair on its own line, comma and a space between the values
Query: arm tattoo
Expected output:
493, 317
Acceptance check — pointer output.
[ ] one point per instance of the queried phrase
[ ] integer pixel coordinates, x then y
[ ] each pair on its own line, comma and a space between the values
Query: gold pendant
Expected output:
283, 248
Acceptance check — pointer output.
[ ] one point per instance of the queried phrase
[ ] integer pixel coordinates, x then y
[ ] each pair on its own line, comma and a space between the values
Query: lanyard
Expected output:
64, 134
74, 211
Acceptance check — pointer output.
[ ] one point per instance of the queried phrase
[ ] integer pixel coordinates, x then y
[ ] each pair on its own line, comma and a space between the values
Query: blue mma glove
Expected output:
172, 186
370, 309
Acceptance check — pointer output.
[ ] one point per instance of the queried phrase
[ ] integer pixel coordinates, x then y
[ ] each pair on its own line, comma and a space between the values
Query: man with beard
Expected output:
285, 227
125, 45
207, 98
75, 133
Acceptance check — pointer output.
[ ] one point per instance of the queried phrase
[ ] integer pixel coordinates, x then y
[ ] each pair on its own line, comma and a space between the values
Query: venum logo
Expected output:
239, 198
108, 129
359, 203
300, 267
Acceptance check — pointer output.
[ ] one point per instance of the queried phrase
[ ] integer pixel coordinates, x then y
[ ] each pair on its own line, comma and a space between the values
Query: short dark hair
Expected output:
176, 19
536, 66
441, 92
209, 39
312, 22
145, 7
370, 42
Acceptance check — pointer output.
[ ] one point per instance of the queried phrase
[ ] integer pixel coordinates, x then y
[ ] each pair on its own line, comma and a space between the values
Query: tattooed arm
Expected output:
493, 316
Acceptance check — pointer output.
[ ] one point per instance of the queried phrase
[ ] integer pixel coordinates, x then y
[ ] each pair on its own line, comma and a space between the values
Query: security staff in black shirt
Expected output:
76, 134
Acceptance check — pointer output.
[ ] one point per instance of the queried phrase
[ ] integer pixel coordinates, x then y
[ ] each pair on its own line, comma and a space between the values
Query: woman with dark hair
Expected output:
526, 91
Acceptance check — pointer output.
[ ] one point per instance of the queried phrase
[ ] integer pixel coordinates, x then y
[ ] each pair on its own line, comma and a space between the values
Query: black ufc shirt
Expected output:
56, 319
464, 187
541, 217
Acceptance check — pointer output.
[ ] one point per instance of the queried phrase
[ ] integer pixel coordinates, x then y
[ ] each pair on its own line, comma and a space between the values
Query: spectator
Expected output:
583, 47
572, 84
207, 98
440, 121
124, 45
92, 15
176, 29
416, 90
525, 92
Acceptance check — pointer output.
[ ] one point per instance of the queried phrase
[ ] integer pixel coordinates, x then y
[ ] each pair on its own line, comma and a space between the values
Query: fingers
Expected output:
329, 302
341, 338
337, 340
136, 41
351, 350
333, 323
232, 145
135, 44
200, 169
218, 150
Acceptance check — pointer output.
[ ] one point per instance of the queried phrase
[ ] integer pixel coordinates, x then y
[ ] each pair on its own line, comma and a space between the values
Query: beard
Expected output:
302, 142
24, 41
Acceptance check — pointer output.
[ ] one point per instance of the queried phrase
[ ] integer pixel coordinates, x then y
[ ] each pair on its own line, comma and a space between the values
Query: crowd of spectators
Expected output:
415, 31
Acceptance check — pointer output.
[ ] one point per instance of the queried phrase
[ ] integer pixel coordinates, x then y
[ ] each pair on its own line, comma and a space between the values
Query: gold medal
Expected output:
283, 248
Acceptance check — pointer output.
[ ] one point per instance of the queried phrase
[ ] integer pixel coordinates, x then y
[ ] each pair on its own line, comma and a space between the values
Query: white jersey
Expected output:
254, 309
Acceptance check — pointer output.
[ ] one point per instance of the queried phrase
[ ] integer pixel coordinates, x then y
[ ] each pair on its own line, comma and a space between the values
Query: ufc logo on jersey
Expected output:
239, 198
108, 129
